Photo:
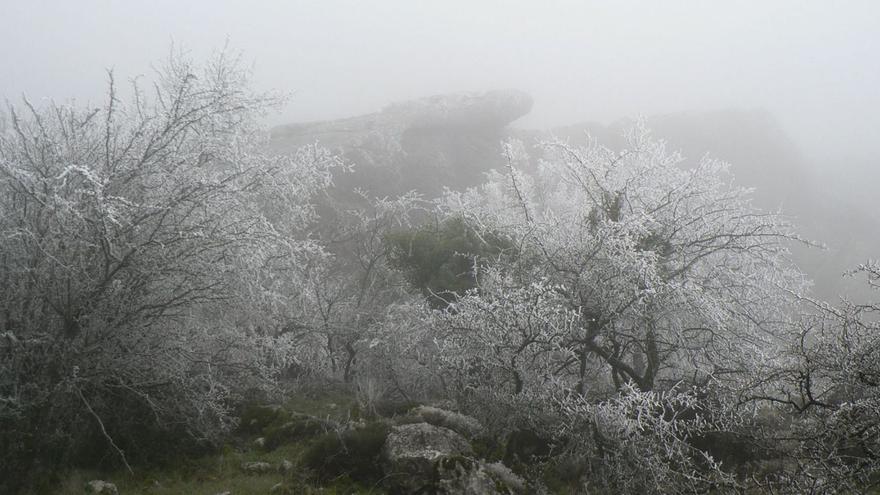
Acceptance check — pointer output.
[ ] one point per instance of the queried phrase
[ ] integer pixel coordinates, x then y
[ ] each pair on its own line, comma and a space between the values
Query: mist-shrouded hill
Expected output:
452, 140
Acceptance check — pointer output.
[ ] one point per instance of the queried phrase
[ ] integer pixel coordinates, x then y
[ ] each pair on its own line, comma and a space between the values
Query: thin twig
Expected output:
104, 431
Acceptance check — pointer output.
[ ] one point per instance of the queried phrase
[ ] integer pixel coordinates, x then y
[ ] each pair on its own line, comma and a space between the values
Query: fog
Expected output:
812, 66
418, 276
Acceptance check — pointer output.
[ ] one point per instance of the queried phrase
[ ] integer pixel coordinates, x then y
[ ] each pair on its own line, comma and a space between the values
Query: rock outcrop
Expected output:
424, 145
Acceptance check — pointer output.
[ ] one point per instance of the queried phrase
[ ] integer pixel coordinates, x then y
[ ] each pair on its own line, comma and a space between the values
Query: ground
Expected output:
222, 472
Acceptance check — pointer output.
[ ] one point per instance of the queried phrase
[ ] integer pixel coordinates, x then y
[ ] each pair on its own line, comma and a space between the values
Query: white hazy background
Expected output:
813, 64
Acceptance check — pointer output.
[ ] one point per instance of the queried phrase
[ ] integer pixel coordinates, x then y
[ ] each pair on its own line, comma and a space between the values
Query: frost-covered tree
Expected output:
828, 389
668, 272
636, 285
350, 288
138, 241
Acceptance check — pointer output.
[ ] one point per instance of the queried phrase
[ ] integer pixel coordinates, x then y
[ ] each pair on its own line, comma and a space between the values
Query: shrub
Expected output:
256, 418
390, 407
354, 453
139, 243
526, 446
439, 260
459, 423
298, 428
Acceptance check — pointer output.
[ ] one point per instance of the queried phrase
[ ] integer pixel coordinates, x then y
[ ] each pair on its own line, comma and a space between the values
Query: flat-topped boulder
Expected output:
490, 109
423, 144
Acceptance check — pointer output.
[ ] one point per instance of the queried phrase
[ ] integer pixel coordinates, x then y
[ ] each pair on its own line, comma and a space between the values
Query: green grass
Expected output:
221, 472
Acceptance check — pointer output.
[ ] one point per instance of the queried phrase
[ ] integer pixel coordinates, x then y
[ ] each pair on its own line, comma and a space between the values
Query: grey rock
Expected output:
412, 452
424, 441
425, 458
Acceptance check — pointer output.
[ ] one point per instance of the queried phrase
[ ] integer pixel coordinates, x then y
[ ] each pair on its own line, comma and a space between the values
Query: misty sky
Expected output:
815, 65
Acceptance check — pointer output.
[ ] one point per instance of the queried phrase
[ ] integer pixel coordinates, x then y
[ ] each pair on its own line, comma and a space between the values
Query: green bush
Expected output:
465, 426
256, 418
298, 428
526, 446
388, 408
439, 260
564, 474
353, 453
729, 448
488, 447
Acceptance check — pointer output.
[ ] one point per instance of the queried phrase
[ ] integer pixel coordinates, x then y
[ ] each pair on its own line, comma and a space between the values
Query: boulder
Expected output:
101, 487
411, 454
424, 458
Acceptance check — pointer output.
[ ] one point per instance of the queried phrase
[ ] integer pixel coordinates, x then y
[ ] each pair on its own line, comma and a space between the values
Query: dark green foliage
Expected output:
353, 453
279, 426
408, 419
34, 450
564, 474
526, 447
439, 259
731, 449
388, 408
452, 462
488, 448
299, 427
30, 455
256, 418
